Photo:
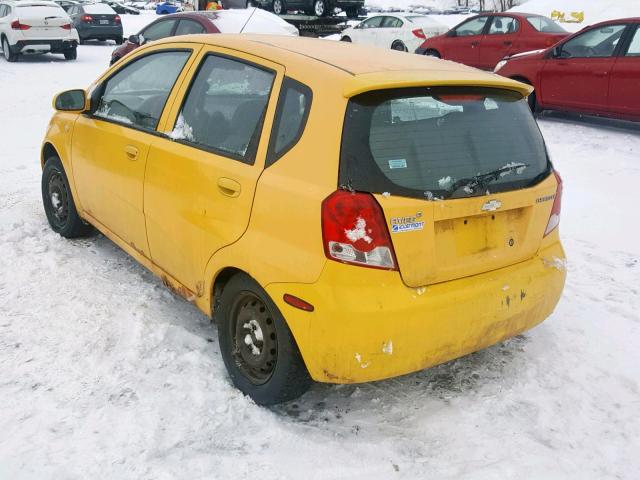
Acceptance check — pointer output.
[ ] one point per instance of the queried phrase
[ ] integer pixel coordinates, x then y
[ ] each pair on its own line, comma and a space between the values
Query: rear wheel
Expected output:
320, 8
399, 46
352, 12
346, 39
279, 7
58, 202
257, 347
432, 53
118, 40
9, 56
71, 54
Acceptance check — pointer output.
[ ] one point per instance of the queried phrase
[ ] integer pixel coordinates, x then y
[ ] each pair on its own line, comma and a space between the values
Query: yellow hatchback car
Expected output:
345, 214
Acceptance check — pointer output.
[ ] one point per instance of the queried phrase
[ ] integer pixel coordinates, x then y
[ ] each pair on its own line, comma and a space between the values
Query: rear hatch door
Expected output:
44, 21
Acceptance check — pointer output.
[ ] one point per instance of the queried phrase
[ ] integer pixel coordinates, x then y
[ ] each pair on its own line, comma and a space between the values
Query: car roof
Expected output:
30, 3
363, 67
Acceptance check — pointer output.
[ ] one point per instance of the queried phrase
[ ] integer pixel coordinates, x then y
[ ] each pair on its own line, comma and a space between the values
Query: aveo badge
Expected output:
407, 224
491, 206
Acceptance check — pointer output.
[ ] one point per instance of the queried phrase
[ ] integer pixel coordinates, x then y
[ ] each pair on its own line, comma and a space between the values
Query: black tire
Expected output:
114, 60
58, 202
352, 12
118, 40
71, 54
346, 39
432, 53
532, 100
399, 46
276, 373
9, 56
279, 7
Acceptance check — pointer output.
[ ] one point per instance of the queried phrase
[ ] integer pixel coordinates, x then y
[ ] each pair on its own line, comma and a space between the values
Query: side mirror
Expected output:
135, 39
70, 101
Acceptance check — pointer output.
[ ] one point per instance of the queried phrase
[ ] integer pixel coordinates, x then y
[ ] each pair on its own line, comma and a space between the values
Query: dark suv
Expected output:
320, 8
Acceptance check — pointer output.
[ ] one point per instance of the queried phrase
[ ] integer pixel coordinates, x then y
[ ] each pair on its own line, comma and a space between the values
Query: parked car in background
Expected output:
65, 4
595, 71
121, 8
165, 8
221, 21
320, 8
28, 27
482, 41
224, 163
403, 32
96, 21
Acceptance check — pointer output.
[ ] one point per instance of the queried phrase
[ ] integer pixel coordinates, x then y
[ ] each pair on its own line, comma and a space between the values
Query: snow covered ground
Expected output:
104, 374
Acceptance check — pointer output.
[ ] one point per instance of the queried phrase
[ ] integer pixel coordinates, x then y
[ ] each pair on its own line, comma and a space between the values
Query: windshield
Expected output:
437, 142
545, 25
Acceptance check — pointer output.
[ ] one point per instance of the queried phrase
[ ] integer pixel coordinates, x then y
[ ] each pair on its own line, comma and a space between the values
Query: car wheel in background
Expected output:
352, 12
399, 46
58, 202
432, 53
346, 39
118, 40
279, 7
320, 8
257, 347
8, 54
71, 54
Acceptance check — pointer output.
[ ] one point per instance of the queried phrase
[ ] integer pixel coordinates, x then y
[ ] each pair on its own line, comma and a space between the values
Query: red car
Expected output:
482, 41
596, 71
176, 24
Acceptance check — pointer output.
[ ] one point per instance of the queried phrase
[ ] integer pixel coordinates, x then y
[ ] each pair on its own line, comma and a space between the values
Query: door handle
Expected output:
474, 44
229, 187
601, 74
507, 43
131, 152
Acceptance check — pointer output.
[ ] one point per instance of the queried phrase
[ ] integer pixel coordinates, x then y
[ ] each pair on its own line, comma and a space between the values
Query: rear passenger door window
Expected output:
294, 105
189, 27
503, 26
137, 93
223, 111
634, 46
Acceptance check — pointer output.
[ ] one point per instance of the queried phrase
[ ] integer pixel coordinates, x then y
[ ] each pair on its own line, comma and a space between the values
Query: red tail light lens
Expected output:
87, 18
117, 18
418, 32
554, 219
354, 231
67, 26
16, 25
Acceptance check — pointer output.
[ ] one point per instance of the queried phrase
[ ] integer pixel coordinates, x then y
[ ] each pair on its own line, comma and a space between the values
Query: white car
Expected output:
36, 27
251, 20
403, 32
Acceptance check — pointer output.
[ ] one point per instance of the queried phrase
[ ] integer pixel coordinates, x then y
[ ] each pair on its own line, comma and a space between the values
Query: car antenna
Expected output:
245, 23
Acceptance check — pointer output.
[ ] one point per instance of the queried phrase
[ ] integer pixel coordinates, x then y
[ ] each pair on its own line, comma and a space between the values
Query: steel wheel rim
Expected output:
319, 8
253, 332
58, 198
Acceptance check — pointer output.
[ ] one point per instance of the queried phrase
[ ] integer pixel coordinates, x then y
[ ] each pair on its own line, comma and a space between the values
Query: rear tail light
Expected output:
554, 219
117, 18
418, 32
354, 231
67, 26
16, 25
87, 18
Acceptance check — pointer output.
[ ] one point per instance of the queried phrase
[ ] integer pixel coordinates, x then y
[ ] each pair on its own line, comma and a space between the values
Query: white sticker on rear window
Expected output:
398, 163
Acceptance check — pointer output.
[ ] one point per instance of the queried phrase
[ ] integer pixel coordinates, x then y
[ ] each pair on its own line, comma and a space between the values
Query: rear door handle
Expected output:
131, 152
601, 74
229, 187
507, 43
475, 44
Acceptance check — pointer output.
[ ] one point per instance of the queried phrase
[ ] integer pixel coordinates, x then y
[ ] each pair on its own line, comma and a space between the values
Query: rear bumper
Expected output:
367, 325
53, 46
100, 33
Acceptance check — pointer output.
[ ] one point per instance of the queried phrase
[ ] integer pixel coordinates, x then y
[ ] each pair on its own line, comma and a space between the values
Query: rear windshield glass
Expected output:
441, 143
98, 8
545, 25
38, 11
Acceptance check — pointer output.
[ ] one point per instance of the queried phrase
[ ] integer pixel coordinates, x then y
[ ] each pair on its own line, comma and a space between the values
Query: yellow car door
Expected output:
202, 174
110, 145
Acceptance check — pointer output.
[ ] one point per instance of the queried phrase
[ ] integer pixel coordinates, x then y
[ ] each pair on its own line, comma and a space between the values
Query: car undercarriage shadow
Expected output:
603, 123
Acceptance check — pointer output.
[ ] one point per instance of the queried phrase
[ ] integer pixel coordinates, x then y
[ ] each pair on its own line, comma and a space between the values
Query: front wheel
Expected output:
399, 46
257, 347
346, 39
320, 8
58, 202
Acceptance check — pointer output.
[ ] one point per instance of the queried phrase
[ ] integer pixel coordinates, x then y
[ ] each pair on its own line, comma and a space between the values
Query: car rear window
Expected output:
433, 142
99, 8
545, 25
38, 11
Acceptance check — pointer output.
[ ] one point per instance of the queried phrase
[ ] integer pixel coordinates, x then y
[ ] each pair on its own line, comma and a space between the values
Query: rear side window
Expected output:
158, 30
433, 143
634, 47
291, 117
545, 25
503, 26
224, 109
137, 93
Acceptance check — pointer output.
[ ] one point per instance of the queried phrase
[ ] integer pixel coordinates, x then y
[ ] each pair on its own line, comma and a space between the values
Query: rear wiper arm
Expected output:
480, 181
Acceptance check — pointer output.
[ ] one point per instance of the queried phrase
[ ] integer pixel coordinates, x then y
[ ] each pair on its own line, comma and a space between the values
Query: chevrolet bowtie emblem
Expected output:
491, 206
